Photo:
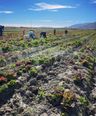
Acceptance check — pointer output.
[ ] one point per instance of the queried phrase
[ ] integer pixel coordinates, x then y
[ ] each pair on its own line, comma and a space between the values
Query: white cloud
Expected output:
93, 1
52, 7
6, 12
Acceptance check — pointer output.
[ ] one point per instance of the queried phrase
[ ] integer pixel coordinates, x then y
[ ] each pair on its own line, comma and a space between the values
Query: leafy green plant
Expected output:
87, 64
33, 71
59, 90
35, 43
11, 83
54, 98
83, 101
42, 41
78, 78
6, 48
7, 85
29, 44
3, 88
82, 50
19, 72
2, 61
52, 60
90, 59
2, 73
43, 59
13, 65
34, 61
24, 70
41, 93
78, 43
64, 114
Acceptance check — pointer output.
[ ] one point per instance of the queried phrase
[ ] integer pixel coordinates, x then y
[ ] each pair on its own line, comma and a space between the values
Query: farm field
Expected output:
55, 76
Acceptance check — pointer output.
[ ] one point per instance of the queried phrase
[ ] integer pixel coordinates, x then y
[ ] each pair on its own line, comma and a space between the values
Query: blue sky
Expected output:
47, 13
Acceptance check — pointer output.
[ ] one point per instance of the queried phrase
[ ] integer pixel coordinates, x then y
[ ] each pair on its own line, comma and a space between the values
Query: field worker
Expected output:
54, 31
23, 32
32, 34
43, 35
66, 32
1, 30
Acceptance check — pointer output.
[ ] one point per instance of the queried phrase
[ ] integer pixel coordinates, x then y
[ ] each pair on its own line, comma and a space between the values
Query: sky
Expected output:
46, 13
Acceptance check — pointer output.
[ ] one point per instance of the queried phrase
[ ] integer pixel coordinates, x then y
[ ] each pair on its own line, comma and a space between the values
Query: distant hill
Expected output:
84, 26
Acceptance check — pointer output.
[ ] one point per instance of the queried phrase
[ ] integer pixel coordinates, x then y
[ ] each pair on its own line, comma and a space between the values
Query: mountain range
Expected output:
84, 26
